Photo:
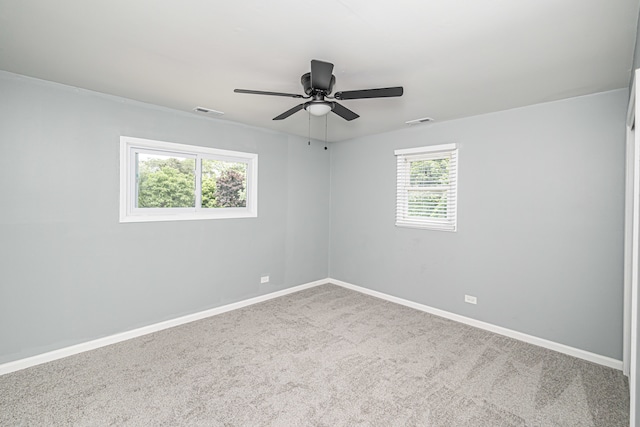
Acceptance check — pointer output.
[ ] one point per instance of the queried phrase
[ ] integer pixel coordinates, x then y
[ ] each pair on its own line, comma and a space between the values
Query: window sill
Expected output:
187, 216
443, 227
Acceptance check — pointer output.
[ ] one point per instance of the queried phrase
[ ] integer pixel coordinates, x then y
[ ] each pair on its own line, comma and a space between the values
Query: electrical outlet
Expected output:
264, 279
470, 299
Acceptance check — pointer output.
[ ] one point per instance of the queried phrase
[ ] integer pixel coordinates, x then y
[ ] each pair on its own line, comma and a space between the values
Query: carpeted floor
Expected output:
325, 356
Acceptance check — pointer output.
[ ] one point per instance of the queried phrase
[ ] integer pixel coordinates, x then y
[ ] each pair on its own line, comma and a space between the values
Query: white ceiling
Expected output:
455, 58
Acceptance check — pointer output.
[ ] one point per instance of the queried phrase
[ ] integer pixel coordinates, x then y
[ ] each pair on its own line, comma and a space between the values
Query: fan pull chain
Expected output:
326, 119
309, 114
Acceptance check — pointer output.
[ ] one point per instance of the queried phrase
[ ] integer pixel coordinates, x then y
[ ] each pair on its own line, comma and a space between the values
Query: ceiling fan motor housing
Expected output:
306, 84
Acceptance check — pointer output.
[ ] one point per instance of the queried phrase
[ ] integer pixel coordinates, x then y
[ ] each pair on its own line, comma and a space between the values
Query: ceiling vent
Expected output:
209, 111
417, 121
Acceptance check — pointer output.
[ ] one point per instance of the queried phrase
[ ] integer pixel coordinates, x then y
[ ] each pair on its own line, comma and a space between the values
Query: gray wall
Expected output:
539, 241
541, 205
70, 272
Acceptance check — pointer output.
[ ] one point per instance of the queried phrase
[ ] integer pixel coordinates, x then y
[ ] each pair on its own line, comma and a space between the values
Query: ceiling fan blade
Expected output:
370, 93
321, 74
289, 112
261, 92
344, 112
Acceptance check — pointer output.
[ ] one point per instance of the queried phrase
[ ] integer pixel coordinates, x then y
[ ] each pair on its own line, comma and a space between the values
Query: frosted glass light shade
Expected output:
318, 108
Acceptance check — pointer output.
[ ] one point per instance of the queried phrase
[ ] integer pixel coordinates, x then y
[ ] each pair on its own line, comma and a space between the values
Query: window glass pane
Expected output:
224, 184
165, 181
425, 173
432, 204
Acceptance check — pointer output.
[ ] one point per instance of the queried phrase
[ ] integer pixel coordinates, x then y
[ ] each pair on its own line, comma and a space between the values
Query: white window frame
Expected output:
404, 159
129, 146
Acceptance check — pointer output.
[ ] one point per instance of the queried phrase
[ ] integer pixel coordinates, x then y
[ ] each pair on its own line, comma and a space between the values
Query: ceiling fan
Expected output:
317, 85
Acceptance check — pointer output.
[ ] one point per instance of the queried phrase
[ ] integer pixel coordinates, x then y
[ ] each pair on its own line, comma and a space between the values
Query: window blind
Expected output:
427, 187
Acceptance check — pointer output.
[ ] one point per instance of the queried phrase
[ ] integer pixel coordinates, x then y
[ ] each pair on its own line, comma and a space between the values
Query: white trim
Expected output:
186, 149
134, 333
628, 251
631, 107
634, 254
426, 149
540, 342
113, 339
629, 232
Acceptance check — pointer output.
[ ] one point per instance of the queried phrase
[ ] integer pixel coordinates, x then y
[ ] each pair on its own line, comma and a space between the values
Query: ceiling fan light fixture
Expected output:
318, 108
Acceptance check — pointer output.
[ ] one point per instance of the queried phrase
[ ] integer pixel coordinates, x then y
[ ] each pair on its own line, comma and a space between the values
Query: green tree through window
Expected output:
169, 182
226, 184
165, 182
427, 197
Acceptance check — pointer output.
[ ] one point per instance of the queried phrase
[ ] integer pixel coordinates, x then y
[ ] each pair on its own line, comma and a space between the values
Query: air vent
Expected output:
422, 120
209, 111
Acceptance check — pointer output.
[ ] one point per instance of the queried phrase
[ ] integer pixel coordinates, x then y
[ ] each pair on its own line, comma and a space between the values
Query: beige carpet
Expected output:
326, 356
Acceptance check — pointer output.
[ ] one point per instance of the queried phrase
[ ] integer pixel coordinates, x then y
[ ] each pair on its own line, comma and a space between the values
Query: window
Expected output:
427, 187
163, 181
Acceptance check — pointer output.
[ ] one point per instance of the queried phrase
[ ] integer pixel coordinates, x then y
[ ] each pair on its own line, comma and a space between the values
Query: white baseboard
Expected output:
551, 345
112, 339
